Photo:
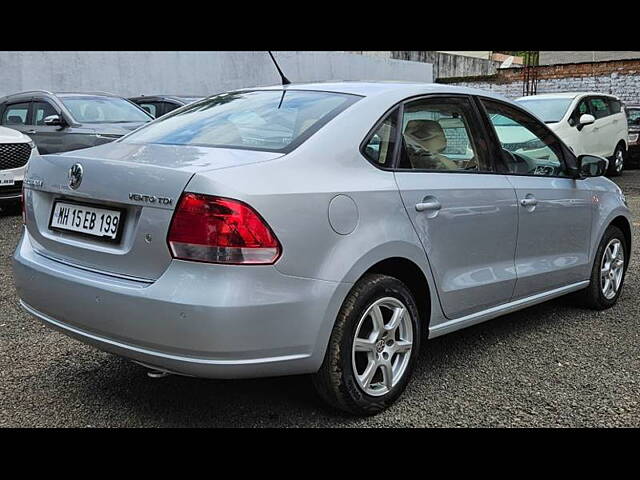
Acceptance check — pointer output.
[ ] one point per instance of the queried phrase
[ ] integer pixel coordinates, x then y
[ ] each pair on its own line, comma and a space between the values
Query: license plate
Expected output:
88, 220
7, 179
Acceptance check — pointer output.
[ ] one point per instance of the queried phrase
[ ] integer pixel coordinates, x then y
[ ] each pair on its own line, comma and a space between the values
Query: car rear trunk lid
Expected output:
144, 182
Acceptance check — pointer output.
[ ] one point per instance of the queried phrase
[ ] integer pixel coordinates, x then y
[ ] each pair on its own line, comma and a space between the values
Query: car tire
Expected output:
366, 378
617, 161
600, 294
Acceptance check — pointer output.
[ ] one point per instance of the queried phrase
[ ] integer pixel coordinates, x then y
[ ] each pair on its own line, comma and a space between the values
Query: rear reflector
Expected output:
220, 230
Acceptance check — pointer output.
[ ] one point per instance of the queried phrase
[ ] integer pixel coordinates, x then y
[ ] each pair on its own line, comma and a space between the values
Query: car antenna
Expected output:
285, 80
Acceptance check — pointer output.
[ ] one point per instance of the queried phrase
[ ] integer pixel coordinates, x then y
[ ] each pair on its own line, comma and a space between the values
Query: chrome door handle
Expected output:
31, 131
433, 205
529, 202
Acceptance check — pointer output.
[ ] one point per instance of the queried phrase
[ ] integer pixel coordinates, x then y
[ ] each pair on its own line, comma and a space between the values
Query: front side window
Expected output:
529, 148
96, 109
267, 120
380, 146
440, 134
16, 114
581, 109
599, 107
41, 111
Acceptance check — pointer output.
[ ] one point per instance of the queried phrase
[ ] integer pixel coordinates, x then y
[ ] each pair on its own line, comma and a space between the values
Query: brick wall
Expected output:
620, 77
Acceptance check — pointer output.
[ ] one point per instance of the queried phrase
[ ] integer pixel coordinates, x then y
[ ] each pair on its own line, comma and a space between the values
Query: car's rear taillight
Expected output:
220, 230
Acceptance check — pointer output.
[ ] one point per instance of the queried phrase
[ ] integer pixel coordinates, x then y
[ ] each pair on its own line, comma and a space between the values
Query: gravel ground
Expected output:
550, 365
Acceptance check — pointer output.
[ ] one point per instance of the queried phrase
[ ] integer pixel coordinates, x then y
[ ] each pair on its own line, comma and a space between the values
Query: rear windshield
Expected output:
86, 109
549, 110
275, 121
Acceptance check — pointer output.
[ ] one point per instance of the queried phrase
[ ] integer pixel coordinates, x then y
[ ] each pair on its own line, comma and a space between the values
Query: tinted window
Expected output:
528, 146
549, 110
633, 116
16, 114
88, 109
42, 110
170, 107
438, 134
259, 120
599, 107
614, 105
380, 146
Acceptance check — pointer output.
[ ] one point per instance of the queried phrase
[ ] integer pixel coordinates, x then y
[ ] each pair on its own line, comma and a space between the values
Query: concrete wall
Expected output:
189, 73
444, 65
557, 57
620, 78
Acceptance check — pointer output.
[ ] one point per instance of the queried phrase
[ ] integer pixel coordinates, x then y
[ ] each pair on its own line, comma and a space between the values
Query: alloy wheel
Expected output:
382, 346
612, 269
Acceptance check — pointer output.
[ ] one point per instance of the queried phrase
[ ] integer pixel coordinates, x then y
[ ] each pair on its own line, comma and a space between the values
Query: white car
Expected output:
16, 149
590, 123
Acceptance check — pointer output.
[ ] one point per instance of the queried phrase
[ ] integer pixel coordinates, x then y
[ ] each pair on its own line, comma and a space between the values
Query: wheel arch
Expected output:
623, 224
409, 273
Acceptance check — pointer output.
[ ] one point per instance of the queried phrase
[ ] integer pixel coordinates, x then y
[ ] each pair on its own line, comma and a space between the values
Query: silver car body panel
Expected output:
211, 320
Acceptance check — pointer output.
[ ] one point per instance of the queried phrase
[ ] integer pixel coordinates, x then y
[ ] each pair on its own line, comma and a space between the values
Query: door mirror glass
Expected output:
53, 120
592, 165
587, 119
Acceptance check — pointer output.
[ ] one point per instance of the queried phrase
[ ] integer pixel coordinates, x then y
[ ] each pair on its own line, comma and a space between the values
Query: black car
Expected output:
633, 120
59, 122
158, 105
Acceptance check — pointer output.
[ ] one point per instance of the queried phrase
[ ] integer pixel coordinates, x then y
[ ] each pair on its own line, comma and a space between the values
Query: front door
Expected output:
554, 210
48, 138
465, 215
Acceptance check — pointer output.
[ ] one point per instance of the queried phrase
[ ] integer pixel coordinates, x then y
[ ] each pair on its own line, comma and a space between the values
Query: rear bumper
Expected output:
202, 320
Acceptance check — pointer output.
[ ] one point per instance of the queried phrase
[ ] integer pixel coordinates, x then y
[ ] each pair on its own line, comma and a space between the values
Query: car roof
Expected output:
566, 95
370, 89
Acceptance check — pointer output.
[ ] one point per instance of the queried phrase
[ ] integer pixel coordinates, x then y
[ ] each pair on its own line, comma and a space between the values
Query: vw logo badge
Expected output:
75, 176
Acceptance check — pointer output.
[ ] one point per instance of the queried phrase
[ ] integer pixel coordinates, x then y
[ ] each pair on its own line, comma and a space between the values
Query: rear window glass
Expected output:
276, 121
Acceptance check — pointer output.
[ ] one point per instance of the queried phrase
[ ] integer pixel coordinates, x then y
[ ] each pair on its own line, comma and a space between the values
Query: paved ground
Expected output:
550, 365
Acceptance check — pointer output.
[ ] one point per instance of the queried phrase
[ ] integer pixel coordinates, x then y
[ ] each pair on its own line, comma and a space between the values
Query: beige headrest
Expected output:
428, 133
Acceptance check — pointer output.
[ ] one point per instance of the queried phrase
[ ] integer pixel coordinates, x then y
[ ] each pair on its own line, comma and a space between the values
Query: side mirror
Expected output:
54, 121
592, 165
585, 119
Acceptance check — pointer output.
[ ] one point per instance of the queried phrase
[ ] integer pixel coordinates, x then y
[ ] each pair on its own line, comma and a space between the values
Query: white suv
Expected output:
16, 149
589, 123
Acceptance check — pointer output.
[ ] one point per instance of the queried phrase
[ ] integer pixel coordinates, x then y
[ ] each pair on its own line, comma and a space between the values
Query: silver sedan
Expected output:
322, 229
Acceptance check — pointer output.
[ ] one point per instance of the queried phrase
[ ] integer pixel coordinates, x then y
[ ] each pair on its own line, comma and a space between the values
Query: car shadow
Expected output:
120, 393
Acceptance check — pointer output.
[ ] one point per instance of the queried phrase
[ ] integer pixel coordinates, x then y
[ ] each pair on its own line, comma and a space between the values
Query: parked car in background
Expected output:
59, 122
589, 123
158, 105
16, 149
633, 119
320, 229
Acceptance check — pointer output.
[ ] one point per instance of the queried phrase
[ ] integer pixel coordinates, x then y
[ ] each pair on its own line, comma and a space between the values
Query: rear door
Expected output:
554, 211
603, 127
17, 115
464, 213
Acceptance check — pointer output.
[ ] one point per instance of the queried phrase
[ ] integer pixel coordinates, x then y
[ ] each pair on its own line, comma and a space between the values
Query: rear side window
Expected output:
380, 145
600, 108
267, 120
16, 114
438, 134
